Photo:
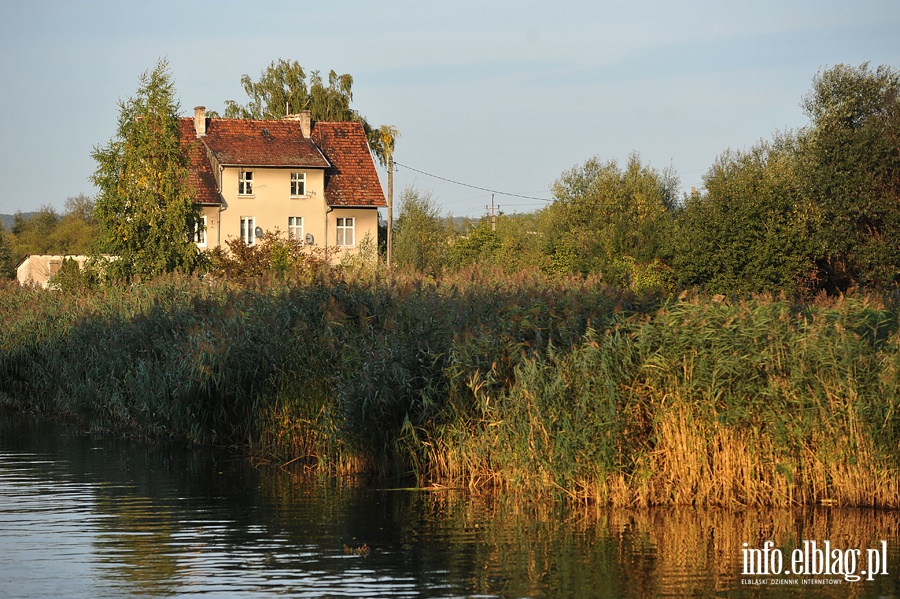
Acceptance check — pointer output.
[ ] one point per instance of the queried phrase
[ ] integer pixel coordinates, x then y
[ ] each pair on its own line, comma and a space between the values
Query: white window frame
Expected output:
200, 232
245, 183
295, 227
345, 230
298, 185
248, 230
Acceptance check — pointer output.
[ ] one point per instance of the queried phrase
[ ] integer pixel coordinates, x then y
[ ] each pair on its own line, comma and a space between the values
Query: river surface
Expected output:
95, 516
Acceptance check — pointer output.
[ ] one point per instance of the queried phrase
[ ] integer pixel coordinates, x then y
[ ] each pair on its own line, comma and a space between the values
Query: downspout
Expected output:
327, 258
221, 208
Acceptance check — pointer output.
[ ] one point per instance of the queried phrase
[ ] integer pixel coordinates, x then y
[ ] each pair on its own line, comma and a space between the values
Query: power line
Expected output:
502, 193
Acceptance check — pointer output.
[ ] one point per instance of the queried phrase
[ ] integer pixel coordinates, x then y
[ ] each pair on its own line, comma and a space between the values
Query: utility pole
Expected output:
493, 213
388, 135
390, 211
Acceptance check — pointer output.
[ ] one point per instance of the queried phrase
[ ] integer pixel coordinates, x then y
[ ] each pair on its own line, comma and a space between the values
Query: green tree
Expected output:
34, 233
47, 232
752, 231
852, 161
77, 231
72, 278
605, 219
7, 257
520, 237
145, 208
421, 239
477, 246
283, 89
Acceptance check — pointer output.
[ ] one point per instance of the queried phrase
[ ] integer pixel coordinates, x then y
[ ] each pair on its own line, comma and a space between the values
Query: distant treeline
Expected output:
47, 232
812, 210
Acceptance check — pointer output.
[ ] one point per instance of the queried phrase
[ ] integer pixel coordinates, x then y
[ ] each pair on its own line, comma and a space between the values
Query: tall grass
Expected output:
542, 387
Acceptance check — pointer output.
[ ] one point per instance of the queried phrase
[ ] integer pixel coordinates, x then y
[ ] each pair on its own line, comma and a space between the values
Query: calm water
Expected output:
91, 516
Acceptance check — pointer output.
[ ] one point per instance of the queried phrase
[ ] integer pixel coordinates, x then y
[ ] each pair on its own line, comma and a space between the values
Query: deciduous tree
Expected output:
7, 258
852, 161
603, 214
283, 89
421, 239
752, 231
33, 234
145, 207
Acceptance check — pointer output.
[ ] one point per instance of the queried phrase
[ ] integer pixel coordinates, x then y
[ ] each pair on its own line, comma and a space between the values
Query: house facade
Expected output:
315, 181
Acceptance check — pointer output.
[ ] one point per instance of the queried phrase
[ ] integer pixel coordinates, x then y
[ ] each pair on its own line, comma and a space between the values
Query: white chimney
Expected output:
200, 120
305, 120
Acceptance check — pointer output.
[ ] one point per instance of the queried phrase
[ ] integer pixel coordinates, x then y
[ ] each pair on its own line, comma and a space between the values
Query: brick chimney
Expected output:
200, 120
305, 120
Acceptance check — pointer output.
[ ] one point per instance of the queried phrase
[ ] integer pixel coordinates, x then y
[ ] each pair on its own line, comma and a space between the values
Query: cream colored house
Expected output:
315, 181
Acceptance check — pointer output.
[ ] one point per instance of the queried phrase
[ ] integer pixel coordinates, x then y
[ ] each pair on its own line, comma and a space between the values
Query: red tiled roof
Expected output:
351, 180
239, 142
201, 175
341, 149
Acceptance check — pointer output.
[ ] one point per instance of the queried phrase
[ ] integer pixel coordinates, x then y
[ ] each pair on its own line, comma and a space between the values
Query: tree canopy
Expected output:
7, 258
48, 232
852, 161
421, 240
283, 88
145, 206
752, 230
605, 218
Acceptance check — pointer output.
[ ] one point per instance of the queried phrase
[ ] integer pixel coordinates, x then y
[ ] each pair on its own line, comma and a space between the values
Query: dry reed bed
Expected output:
543, 387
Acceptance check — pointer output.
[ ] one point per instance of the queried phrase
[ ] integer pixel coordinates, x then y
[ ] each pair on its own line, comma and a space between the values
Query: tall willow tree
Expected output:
283, 88
145, 207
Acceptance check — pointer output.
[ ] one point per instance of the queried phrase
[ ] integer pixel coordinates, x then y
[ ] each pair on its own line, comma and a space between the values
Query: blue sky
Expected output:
498, 95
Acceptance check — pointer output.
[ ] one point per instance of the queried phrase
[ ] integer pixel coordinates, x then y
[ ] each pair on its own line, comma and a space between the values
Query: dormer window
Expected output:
245, 183
298, 185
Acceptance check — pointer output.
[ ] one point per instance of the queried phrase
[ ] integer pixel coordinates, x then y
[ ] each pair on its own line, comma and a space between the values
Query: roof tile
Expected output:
201, 175
240, 142
352, 179
340, 148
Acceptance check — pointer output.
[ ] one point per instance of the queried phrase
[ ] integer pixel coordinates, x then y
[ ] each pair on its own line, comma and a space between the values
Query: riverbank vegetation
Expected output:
738, 346
529, 384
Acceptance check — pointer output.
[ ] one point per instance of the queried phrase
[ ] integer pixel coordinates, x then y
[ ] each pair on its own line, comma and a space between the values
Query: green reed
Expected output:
541, 386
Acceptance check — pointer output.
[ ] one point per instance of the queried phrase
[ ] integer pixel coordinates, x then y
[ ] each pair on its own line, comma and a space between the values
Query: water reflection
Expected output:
87, 516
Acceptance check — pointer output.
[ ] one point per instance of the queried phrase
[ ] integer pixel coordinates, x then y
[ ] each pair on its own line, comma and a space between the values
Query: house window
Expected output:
245, 183
200, 232
345, 231
295, 227
248, 224
298, 185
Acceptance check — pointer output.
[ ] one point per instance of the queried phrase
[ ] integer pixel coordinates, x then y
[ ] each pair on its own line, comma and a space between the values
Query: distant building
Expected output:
38, 269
